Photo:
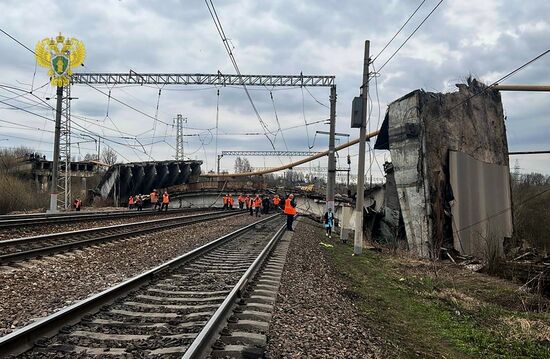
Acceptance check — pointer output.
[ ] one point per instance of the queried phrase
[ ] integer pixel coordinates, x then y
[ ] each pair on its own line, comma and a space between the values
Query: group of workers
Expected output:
157, 202
261, 204
256, 204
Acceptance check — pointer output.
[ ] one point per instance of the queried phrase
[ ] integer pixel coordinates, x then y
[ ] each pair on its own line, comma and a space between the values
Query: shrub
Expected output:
19, 195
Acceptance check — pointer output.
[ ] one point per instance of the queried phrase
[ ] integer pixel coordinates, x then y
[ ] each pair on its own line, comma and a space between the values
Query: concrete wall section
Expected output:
470, 121
407, 153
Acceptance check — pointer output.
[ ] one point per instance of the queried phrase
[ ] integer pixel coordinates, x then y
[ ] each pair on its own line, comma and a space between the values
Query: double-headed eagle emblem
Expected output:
60, 56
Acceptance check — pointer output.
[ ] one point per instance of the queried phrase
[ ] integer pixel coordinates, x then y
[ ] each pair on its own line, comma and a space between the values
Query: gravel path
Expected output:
25, 231
312, 319
42, 286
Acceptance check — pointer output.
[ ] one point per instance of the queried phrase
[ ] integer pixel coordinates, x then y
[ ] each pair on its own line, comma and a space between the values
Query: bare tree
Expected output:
242, 165
90, 157
109, 156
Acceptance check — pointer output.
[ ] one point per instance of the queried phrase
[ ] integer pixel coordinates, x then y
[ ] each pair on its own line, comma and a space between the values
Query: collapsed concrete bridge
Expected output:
125, 179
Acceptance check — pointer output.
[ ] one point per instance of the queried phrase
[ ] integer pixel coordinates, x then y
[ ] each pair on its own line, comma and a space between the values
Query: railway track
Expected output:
39, 219
18, 249
172, 310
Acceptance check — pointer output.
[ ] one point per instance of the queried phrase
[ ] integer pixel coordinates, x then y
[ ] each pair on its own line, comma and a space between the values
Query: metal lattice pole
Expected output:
179, 137
64, 180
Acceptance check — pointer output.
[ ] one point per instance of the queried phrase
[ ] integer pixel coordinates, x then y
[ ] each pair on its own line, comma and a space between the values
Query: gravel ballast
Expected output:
313, 318
40, 287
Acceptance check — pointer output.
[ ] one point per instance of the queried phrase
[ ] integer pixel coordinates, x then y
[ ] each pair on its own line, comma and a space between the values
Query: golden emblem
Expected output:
60, 56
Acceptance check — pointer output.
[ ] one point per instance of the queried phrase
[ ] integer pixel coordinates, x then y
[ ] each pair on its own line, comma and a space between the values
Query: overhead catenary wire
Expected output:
115, 99
155, 123
305, 121
221, 32
75, 123
279, 129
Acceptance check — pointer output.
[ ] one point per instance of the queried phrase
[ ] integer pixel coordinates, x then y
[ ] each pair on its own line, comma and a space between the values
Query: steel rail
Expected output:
128, 229
201, 345
23, 339
9, 221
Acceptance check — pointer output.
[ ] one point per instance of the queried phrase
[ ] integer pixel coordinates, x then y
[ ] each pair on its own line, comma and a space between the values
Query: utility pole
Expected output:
331, 177
98, 148
57, 137
360, 196
219, 158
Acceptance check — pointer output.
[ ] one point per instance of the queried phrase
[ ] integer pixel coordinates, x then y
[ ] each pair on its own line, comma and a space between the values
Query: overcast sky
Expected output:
486, 39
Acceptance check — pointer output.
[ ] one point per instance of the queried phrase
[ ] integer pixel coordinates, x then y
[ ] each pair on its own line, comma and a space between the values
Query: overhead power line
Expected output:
398, 31
411, 35
14, 39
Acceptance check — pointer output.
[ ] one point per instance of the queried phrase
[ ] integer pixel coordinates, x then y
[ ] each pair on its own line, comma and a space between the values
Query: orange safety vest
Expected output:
240, 199
131, 200
276, 201
225, 200
153, 197
230, 200
165, 198
247, 201
288, 208
257, 202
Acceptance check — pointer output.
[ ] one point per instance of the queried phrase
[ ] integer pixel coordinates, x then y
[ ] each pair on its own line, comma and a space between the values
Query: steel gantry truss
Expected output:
218, 79
268, 153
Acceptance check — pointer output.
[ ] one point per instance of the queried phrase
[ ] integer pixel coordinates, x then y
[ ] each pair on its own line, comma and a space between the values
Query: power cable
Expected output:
221, 32
279, 130
305, 122
398, 31
375, 75
315, 99
411, 35
155, 123
217, 123
46, 105
14, 39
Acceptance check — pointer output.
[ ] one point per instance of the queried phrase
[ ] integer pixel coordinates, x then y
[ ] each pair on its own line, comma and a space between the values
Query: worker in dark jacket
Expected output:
329, 222
290, 211
265, 205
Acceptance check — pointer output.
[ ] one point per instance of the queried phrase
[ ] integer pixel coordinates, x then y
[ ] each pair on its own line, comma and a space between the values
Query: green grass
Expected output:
456, 314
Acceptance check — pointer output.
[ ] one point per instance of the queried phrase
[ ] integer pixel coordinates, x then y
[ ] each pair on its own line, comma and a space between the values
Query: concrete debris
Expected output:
420, 130
123, 180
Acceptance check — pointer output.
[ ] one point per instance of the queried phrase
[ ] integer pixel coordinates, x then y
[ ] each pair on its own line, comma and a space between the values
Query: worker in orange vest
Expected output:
77, 204
131, 202
290, 211
250, 205
247, 201
276, 202
226, 201
165, 201
230, 201
154, 196
240, 199
257, 205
